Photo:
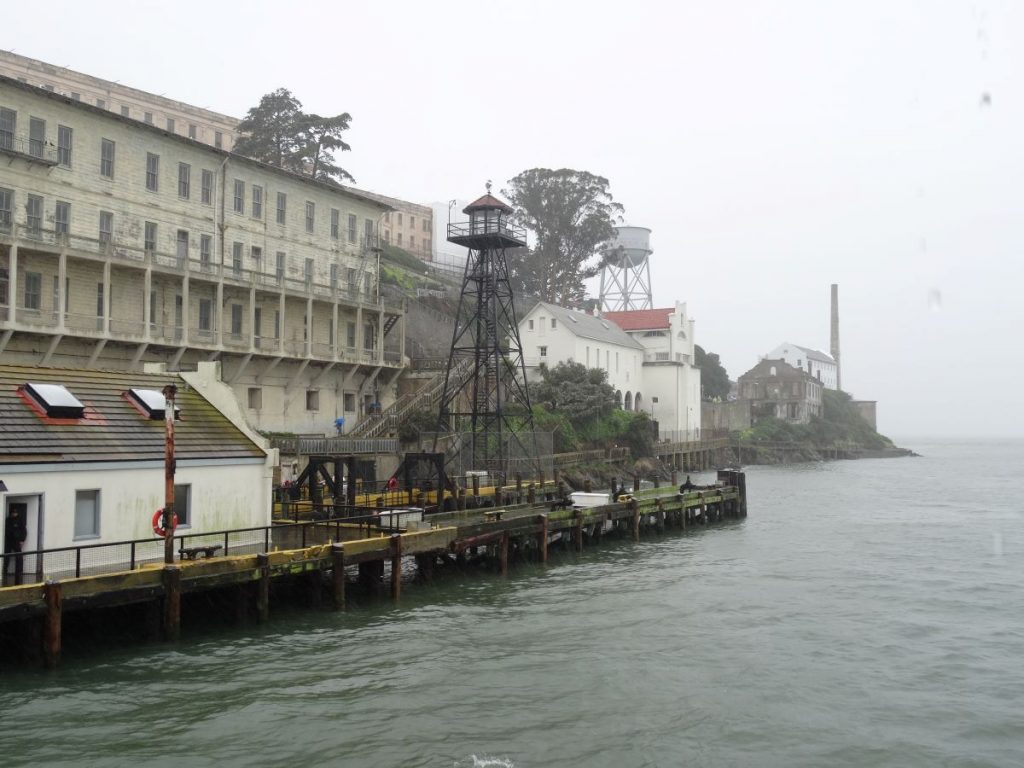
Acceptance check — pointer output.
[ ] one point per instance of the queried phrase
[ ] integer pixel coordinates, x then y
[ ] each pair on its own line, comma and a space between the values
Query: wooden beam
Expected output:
52, 625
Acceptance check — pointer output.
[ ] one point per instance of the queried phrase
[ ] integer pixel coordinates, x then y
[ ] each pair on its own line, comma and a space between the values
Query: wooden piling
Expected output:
396, 566
263, 588
52, 624
660, 515
577, 531
636, 482
542, 539
531, 494
636, 519
476, 485
503, 553
172, 602
338, 575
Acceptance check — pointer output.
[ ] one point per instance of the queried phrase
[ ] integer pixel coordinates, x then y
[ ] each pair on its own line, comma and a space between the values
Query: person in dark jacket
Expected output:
15, 534
687, 486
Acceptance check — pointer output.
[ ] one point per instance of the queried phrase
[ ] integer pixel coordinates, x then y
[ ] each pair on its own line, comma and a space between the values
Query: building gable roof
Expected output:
642, 319
815, 354
783, 370
587, 326
112, 428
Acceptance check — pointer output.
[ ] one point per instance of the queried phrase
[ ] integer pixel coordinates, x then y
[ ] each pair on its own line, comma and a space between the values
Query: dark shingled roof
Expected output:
487, 201
112, 428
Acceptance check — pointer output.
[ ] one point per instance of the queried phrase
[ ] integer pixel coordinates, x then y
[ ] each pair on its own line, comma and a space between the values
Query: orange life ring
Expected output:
158, 520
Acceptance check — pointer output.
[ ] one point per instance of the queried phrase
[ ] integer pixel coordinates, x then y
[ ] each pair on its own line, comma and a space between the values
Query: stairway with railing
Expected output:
392, 417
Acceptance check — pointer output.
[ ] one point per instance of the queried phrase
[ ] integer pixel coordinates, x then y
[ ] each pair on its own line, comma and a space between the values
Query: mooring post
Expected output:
542, 539
635, 506
503, 553
636, 482
396, 566
338, 575
263, 587
578, 531
660, 517
703, 509
476, 485
674, 477
52, 624
531, 494
172, 602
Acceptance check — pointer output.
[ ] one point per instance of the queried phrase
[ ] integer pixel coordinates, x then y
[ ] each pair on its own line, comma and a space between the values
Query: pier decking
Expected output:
327, 566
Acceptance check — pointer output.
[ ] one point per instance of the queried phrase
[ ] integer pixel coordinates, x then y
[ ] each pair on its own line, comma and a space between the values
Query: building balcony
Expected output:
25, 148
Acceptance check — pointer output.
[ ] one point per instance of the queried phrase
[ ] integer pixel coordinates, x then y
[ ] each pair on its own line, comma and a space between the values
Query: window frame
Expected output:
97, 501
107, 163
152, 172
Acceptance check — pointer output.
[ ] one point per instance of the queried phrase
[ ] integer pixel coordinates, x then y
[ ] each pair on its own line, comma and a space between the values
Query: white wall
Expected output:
224, 496
823, 371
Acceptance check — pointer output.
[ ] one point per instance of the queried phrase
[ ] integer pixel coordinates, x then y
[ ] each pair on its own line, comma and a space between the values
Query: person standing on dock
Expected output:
687, 486
15, 534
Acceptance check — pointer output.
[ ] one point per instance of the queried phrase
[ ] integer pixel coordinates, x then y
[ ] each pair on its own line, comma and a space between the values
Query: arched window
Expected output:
637, 402
772, 372
618, 397
629, 401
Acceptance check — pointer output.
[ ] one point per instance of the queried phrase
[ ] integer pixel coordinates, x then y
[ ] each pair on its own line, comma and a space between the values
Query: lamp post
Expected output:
169, 464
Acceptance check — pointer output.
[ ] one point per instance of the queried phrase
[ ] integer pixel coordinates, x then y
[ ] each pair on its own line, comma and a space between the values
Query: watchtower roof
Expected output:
487, 202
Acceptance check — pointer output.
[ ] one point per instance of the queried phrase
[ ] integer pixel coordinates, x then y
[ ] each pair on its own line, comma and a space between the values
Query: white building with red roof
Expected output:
670, 380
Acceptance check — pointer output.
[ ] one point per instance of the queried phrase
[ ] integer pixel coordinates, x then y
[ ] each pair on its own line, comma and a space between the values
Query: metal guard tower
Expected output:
486, 371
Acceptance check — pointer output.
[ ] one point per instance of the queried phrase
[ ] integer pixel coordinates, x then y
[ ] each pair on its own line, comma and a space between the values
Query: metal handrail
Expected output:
372, 520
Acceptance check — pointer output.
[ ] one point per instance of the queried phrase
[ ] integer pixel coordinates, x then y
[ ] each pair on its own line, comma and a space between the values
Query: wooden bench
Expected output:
207, 550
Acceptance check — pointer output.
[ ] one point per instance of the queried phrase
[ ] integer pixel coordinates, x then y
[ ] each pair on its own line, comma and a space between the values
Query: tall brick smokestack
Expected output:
835, 335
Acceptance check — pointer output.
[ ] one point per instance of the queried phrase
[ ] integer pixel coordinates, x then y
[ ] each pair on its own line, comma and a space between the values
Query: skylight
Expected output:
56, 400
152, 402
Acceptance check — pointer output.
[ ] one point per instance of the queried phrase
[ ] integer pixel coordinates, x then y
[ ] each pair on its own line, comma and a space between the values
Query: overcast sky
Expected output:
772, 147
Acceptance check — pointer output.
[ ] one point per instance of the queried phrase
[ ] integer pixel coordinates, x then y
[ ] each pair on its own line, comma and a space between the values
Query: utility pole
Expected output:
169, 392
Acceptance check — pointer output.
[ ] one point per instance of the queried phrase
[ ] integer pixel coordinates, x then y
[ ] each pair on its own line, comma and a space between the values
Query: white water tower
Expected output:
626, 276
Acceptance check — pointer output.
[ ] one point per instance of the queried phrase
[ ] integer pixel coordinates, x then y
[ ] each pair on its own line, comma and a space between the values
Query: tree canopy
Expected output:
277, 132
571, 215
714, 381
575, 391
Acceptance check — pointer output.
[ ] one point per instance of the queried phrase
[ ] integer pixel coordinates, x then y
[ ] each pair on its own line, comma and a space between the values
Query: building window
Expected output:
74, 95
368, 232
257, 202
87, 514
33, 290
101, 103
170, 124
255, 398
554, 323
310, 215
148, 117
218, 139
184, 180
412, 241
350, 402
335, 223
309, 272
334, 277
205, 248
207, 187
257, 324
543, 351
279, 266
256, 252
183, 504
282, 204
106, 226
192, 131
399, 219
5, 285
64, 145
152, 171
101, 306
236, 258
34, 214
312, 400
62, 218
182, 245
426, 225
236, 320
239, 196
399, 239
36, 136
107, 158
412, 222
350, 340
8, 120
531, 325
125, 111
149, 241
6, 208
205, 315
351, 227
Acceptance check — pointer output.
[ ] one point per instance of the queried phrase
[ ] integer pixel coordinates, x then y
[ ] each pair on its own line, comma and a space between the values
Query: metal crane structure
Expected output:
486, 372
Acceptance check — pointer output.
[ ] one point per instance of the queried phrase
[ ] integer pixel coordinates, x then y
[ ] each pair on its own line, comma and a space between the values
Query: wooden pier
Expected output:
495, 537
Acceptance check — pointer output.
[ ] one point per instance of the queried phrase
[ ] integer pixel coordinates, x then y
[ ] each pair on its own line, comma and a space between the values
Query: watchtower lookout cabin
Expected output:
485, 371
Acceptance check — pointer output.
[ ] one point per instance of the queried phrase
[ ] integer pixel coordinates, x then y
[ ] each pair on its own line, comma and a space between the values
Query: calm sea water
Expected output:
866, 613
